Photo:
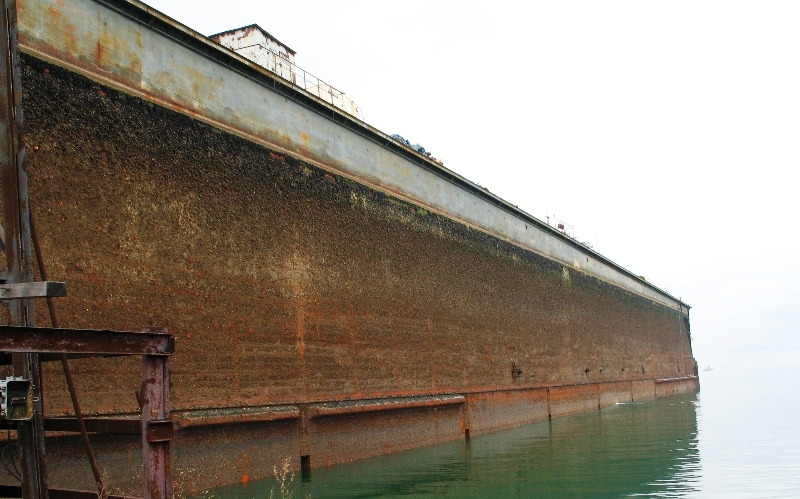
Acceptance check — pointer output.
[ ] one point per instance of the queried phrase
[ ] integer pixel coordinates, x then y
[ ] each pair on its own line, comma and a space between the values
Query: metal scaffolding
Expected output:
26, 346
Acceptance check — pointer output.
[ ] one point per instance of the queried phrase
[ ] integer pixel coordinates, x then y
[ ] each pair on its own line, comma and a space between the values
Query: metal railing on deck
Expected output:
299, 77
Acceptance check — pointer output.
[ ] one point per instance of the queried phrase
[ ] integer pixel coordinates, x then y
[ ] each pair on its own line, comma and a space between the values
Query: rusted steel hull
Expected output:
316, 317
125, 45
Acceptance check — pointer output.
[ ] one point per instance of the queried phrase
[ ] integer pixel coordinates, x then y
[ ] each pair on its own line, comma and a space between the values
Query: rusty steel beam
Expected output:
157, 427
84, 341
17, 242
25, 342
5, 358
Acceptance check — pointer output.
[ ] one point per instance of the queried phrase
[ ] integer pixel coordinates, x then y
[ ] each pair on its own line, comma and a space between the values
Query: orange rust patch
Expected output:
99, 52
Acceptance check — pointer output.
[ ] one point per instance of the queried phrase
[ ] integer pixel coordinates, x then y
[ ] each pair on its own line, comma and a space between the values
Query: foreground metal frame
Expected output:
155, 424
25, 342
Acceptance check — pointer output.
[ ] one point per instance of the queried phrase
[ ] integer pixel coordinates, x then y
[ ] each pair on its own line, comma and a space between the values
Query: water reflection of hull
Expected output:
647, 448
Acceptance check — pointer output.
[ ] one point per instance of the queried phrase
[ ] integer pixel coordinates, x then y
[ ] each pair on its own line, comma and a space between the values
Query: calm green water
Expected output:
738, 438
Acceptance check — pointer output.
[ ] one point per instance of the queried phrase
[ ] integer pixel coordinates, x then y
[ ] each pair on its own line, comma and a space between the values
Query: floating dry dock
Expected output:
333, 294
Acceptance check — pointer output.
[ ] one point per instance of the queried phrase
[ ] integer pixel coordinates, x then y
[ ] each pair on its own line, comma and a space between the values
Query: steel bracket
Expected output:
159, 430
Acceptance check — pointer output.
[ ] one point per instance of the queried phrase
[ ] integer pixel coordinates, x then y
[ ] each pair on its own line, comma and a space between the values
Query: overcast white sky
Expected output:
665, 133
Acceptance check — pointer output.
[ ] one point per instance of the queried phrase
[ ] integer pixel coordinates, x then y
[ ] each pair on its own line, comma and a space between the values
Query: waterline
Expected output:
737, 438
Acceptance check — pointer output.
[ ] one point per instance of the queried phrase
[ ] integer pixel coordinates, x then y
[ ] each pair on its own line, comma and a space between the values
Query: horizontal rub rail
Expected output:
20, 339
220, 417
381, 405
95, 425
674, 379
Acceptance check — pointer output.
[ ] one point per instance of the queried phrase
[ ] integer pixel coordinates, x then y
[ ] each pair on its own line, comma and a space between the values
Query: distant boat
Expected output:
708, 368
